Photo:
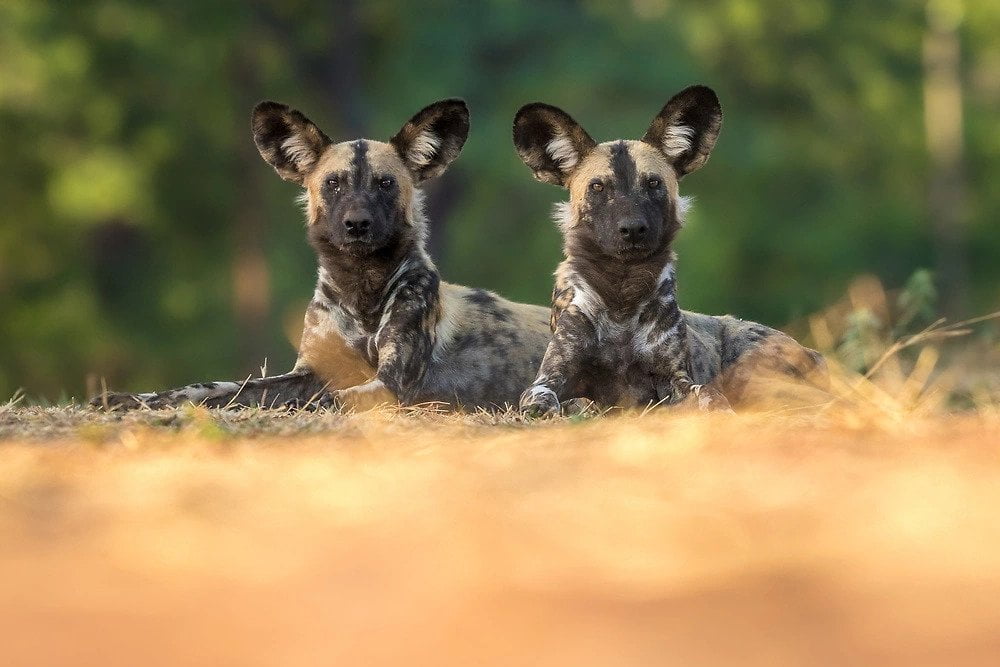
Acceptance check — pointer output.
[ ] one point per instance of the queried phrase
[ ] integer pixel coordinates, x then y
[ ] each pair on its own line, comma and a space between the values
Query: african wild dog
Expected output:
381, 326
619, 337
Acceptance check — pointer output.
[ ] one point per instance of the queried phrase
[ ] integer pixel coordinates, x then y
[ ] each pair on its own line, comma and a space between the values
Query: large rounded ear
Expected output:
433, 138
550, 142
687, 127
287, 140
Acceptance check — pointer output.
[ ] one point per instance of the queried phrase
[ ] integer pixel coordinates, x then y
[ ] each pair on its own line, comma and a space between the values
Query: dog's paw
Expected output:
578, 407
674, 391
296, 404
361, 397
705, 398
538, 402
710, 399
326, 400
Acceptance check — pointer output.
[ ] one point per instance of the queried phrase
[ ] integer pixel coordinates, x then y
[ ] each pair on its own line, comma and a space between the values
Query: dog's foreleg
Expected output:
572, 340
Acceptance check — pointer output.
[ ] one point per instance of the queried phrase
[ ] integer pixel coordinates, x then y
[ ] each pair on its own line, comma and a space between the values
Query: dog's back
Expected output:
753, 364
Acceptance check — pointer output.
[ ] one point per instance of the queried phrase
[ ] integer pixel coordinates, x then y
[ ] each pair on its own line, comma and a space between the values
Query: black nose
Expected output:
632, 230
357, 223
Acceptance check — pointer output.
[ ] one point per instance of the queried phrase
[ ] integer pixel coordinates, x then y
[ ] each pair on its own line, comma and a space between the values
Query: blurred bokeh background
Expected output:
142, 238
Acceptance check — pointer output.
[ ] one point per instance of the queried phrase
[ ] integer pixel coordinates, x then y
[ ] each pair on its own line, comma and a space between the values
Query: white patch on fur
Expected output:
560, 148
646, 340
668, 273
587, 300
305, 202
677, 140
423, 149
384, 320
453, 308
302, 199
336, 321
540, 390
318, 295
562, 213
668, 298
390, 299
198, 395
299, 152
370, 387
684, 205
403, 267
418, 220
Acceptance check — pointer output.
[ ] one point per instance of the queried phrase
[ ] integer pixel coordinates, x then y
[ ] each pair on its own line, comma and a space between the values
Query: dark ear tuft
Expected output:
287, 140
550, 142
433, 138
687, 127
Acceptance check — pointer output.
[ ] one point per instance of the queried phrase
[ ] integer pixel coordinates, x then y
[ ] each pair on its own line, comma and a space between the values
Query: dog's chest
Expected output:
621, 369
334, 348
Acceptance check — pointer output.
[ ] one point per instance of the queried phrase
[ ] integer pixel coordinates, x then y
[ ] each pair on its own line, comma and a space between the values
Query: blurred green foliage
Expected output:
130, 186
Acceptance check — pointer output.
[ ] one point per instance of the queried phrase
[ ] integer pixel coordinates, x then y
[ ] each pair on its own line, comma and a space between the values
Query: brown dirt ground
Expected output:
204, 538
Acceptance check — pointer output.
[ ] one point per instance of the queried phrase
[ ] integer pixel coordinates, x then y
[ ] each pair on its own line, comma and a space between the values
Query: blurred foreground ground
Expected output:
200, 538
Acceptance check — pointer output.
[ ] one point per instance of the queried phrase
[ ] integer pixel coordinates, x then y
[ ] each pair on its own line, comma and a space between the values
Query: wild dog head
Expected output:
624, 200
361, 195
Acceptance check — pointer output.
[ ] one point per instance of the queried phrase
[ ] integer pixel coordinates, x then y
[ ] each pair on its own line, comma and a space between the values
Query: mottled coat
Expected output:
381, 326
619, 336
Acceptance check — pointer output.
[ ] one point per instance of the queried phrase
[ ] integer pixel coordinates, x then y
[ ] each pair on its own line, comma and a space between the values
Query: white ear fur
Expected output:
423, 149
677, 140
299, 152
562, 151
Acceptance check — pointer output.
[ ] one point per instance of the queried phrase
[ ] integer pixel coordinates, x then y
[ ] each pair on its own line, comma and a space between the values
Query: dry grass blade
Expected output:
13, 401
932, 333
652, 406
232, 401
104, 393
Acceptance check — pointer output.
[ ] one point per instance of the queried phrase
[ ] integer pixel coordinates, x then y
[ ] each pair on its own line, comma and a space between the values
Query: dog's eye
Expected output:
386, 183
654, 183
334, 183
597, 186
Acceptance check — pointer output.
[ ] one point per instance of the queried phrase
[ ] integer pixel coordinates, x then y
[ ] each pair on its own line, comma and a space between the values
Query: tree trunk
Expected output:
251, 276
943, 126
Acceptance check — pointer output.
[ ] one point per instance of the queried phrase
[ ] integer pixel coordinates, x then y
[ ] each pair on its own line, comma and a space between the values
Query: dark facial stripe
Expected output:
361, 171
623, 167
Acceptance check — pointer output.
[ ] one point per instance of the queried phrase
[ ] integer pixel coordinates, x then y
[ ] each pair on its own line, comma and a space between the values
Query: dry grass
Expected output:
200, 538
